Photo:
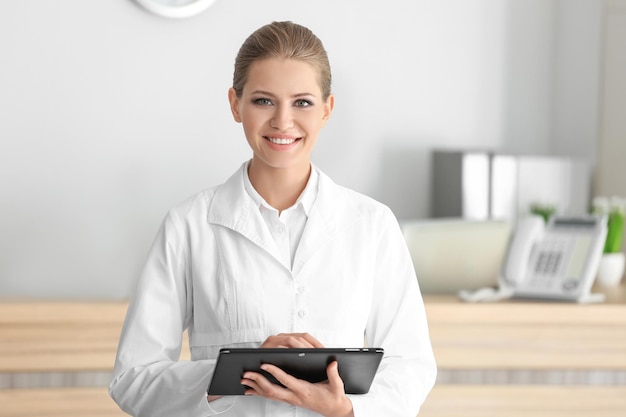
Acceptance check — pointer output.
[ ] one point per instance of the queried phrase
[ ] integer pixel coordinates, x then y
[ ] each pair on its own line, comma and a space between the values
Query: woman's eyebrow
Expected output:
267, 93
304, 95
262, 92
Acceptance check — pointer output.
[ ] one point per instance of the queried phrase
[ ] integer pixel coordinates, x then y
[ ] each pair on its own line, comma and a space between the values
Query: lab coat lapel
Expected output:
331, 213
232, 207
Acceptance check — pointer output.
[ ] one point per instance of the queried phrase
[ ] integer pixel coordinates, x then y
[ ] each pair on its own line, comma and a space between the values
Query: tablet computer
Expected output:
357, 366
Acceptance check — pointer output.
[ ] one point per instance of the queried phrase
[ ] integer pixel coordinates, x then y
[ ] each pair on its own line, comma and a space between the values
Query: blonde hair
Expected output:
285, 40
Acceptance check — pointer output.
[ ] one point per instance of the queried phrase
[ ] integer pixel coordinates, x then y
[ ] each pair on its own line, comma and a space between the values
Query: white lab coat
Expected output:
214, 269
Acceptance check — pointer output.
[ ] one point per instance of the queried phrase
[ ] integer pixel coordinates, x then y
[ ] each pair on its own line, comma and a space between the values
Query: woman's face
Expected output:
282, 111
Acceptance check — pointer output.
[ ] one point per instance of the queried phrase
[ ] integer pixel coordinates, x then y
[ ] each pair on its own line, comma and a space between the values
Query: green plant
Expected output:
615, 209
543, 210
614, 235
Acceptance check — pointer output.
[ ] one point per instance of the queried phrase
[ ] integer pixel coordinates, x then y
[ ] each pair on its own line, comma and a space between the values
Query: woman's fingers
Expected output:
326, 398
260, 385
292, 340
334, 380
280, 375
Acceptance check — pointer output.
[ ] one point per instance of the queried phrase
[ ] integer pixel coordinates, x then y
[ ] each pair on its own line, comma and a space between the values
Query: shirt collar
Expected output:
306, 198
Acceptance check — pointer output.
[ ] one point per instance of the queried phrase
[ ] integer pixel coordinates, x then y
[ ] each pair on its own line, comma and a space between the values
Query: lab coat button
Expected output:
301, 289
301, 314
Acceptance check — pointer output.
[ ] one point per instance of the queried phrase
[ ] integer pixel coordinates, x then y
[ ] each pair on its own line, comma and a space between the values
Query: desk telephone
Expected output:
558, 260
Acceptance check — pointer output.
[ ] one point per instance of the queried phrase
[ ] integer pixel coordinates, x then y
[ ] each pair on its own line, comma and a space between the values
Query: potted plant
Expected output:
611, 269
543, 209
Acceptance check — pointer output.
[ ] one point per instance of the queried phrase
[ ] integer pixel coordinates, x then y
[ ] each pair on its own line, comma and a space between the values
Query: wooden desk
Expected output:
525, 401
51, 336
528, 358
66, 338
528, 335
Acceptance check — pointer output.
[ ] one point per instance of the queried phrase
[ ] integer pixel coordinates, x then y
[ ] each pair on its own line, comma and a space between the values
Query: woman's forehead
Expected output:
284, 75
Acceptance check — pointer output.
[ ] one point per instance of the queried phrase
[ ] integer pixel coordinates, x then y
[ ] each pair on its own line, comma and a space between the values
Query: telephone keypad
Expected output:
548, 261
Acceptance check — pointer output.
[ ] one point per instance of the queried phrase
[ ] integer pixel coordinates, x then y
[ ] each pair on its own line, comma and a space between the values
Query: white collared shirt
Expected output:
286, 227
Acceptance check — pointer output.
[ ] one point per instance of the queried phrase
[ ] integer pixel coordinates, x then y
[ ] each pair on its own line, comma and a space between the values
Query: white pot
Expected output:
611, 269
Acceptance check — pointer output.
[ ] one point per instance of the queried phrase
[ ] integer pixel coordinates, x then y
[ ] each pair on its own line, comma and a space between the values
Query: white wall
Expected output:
110, 115
577, 89
609, 180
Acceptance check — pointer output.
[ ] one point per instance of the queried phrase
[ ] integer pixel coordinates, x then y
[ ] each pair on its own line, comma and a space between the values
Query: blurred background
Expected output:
110, 115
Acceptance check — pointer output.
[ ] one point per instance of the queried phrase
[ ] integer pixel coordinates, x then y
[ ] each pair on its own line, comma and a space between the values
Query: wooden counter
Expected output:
38, 339
528, 358
528, 335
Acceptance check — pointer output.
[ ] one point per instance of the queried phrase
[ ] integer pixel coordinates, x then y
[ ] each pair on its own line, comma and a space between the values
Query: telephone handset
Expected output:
557, 260
528, 230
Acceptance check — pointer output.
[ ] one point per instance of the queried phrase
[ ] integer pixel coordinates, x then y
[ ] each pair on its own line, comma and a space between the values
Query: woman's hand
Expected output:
292, 340
326, 398
284, 340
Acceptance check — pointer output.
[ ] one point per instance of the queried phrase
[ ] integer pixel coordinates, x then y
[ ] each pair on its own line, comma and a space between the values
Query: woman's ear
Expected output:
234, 104
328, 107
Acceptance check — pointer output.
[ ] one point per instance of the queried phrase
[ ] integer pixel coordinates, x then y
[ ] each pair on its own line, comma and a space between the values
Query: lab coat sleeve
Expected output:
397, 323
149, 379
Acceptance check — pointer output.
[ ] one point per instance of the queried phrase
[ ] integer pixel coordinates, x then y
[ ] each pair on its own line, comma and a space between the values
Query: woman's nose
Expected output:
282, 119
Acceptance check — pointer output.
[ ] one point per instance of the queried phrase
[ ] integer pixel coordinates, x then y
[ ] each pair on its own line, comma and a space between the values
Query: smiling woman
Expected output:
278, 256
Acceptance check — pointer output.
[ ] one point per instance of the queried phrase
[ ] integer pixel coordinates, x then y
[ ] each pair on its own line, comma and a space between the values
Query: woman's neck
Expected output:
279, 187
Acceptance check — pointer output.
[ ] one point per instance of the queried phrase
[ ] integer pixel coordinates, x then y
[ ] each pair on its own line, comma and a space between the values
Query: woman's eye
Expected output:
303, 103
263, 101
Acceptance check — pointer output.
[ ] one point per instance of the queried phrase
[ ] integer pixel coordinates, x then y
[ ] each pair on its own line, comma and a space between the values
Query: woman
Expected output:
278, 256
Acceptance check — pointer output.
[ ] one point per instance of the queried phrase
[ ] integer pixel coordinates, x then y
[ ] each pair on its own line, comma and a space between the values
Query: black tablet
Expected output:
357, 367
